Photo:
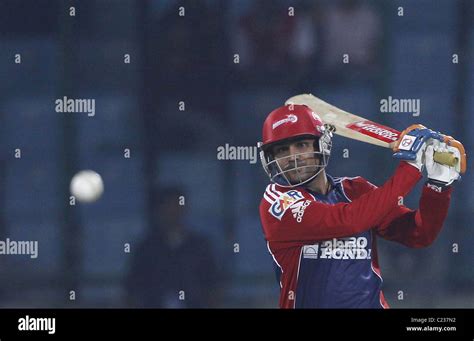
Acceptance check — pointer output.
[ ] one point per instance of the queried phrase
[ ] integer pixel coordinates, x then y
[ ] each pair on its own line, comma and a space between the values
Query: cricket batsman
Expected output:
321, 231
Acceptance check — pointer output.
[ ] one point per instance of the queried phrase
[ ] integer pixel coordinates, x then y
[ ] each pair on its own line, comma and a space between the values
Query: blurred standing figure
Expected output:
265, 33
305, 46
351, 28
173, 267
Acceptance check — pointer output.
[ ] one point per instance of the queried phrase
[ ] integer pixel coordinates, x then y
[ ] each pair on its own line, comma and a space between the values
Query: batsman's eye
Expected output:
281, 150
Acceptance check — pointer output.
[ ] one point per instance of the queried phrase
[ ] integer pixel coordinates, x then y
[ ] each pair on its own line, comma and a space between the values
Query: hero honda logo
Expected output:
285, 200
289, 118
343, 248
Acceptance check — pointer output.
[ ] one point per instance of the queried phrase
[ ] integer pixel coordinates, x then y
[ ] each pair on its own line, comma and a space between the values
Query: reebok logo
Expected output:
289, 118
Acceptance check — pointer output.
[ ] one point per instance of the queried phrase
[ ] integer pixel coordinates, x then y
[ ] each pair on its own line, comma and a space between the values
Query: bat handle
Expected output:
445, 158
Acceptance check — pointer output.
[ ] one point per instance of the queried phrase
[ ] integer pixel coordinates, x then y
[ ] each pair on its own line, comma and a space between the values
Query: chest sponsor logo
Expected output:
344, 248
284, 201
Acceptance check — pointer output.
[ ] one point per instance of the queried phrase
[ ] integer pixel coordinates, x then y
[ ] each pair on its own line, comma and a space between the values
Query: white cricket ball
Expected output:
87, 186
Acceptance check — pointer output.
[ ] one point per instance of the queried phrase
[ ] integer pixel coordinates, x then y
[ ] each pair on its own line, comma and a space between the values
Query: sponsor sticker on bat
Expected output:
375, 130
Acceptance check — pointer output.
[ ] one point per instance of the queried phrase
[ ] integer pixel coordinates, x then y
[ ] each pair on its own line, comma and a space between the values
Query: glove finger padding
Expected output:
457, 148
439, 174
429, 156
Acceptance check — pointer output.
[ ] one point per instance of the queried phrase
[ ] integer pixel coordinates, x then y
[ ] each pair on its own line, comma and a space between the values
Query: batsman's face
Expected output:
297, 159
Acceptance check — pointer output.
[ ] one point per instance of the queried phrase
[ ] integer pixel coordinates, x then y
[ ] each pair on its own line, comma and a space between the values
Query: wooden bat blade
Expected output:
347, 124
358, 128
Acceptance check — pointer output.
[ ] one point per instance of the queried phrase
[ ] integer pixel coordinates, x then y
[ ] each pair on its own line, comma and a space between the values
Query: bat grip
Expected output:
445, 158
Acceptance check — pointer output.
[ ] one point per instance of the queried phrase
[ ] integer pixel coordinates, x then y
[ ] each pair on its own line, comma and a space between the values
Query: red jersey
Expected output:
324, 246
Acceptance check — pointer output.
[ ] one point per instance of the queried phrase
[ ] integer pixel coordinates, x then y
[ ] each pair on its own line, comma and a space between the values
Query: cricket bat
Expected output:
358, 128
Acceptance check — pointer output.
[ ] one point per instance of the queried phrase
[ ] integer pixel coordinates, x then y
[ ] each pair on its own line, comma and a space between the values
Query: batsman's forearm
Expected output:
324, 221
430, 216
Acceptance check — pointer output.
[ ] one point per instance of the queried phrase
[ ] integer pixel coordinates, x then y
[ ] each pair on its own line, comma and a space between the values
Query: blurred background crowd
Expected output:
171, 89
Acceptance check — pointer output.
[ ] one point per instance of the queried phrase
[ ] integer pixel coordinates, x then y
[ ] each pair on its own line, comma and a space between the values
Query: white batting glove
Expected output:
440, 176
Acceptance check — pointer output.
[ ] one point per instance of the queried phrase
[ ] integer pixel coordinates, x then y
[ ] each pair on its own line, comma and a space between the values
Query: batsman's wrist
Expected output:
437, 186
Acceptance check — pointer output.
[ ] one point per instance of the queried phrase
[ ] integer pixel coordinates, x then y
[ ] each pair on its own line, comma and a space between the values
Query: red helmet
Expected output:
288, 121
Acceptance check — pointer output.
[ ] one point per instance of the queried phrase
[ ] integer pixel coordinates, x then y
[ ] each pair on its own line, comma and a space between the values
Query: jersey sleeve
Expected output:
323, 221
413, 228
417, 228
